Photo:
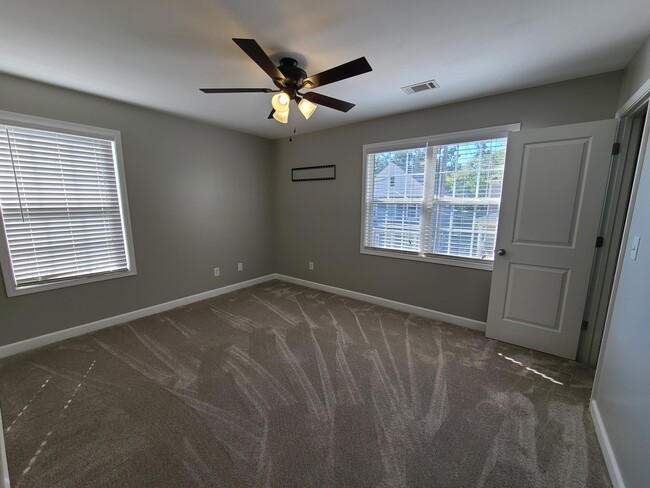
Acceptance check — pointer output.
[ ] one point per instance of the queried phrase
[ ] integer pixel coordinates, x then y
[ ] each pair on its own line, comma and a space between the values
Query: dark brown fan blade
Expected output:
347, 70
330, 102
236, 90
271, 114
257, 54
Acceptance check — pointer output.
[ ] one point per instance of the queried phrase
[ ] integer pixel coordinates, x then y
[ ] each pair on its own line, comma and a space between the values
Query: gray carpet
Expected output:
283, 386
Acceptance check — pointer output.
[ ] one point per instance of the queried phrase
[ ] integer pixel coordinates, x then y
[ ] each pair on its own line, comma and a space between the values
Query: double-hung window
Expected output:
64, 211
435, 198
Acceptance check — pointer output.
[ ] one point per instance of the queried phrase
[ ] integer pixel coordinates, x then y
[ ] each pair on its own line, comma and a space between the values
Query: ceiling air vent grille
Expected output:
420, 87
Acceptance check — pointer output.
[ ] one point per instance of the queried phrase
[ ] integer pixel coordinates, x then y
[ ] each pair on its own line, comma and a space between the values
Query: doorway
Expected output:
629, 134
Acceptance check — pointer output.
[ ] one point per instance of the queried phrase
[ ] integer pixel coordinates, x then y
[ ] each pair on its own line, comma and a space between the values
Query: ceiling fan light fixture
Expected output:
282, 117
307, 108
290, 78
280, 102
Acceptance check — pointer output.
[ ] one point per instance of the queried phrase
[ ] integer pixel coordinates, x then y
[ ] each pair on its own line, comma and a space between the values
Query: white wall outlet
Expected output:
217, 272
311, 266
240, 266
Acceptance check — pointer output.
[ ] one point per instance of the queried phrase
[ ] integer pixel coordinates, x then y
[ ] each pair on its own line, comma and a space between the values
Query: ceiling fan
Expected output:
289, 78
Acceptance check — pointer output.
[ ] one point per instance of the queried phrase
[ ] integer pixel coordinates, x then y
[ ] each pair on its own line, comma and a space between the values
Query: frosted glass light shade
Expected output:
282, 117
280, 102
307, 108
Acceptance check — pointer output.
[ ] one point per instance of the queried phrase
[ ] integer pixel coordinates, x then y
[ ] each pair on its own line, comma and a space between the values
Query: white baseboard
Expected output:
44, 340
606, 447
384, 302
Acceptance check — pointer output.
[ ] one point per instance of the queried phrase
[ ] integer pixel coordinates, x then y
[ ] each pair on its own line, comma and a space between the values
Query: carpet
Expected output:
279, 385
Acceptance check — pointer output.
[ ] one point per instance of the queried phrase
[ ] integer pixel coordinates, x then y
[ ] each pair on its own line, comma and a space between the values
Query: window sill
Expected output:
13, 291
436, 259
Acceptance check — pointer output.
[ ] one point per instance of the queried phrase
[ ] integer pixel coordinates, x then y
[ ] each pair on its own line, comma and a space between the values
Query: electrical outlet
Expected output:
311, 266
217, 272
240, 266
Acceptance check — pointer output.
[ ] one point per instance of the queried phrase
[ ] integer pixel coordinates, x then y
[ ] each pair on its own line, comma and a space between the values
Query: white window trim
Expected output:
439, 139
10, 118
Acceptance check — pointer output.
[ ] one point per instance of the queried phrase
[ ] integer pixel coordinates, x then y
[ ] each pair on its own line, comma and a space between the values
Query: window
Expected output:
63, 205
435, 198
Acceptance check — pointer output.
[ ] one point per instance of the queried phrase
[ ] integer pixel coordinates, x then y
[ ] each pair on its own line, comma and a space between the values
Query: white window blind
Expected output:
61, 206
434, 197
395, 197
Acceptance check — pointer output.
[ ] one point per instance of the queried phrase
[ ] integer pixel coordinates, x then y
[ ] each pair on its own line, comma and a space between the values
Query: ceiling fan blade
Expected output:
236, 90
257, 54
341, 72
330, 102
271, 114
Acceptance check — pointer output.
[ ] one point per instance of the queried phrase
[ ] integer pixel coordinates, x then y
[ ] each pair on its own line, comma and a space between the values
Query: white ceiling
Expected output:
158, 53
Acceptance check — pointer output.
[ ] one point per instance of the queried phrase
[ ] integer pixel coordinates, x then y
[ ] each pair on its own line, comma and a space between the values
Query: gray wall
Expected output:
320, 221
199, 197
636, 73
622, 388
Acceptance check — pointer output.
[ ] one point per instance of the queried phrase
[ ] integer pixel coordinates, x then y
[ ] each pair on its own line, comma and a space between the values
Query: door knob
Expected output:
501, 252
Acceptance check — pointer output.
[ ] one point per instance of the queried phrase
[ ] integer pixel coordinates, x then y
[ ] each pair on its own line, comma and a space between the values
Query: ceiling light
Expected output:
280, 102
282, 117
306, 107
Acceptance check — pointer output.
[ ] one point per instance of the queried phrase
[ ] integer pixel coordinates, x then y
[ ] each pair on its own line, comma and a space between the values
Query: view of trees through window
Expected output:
436, 199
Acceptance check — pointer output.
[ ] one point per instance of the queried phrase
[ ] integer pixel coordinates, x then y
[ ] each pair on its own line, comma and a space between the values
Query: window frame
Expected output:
418, 142
33, 122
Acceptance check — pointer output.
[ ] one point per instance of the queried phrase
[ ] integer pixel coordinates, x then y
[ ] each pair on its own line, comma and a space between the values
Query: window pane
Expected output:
395, 226
437, 197
471, 170
399, 174
464, 230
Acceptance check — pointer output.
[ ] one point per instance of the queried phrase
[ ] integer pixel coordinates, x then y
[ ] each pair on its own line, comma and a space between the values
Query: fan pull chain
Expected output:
291, 135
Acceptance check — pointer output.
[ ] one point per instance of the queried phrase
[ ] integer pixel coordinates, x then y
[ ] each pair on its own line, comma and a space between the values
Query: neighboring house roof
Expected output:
394, 182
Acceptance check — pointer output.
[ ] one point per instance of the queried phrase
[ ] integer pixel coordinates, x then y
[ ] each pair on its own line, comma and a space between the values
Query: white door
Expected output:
553, 191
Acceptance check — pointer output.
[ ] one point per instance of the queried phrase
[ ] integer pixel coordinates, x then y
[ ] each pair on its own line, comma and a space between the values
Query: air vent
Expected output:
420, 87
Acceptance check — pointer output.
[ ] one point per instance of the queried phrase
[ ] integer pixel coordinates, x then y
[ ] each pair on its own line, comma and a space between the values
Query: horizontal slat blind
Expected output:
440, 199
394, 197
60, 205
464, 230
466, 197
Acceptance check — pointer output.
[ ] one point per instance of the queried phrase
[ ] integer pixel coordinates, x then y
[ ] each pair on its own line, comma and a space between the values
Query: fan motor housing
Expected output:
294, 77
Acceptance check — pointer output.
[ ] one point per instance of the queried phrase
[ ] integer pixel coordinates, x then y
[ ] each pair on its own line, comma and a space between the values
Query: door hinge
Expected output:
599, 241
616, 148
585, 325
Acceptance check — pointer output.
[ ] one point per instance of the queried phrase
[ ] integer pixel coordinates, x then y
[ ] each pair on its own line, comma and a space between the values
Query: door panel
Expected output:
553, 191
551, 183
535, 295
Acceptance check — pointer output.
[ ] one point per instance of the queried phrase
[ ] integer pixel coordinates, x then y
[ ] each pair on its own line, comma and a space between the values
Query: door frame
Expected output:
618, 205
